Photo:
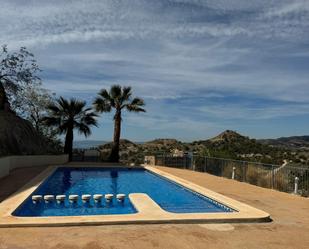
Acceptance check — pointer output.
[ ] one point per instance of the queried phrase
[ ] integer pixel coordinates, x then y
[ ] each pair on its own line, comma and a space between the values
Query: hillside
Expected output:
228, 144
163, 141
228, 136
124, 144
295, 142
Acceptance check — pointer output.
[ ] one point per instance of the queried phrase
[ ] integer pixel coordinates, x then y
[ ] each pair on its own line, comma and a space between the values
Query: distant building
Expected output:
177, 153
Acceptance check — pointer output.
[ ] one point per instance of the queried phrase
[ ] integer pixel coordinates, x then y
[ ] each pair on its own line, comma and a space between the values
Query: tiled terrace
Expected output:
289, 228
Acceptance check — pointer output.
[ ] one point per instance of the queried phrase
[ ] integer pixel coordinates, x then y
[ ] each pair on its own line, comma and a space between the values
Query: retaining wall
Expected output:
12, 162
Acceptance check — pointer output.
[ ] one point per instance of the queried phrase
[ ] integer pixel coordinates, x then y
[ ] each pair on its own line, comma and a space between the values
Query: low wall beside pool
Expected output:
12, 162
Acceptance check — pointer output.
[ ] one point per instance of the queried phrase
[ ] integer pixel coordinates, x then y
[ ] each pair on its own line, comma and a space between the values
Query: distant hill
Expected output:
87, 144
228, 144
228, 136
124, 143
163, 142
294, 142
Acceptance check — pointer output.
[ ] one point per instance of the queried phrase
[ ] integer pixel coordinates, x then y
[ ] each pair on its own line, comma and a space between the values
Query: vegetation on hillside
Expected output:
228, 144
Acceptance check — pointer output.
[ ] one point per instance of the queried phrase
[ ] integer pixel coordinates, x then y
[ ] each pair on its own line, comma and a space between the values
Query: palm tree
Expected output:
118, 98
67, 115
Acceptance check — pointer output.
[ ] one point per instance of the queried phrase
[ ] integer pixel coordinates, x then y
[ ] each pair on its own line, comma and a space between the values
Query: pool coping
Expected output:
148, 210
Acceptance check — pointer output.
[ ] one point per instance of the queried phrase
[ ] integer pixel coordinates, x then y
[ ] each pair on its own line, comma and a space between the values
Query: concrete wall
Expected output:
9, 163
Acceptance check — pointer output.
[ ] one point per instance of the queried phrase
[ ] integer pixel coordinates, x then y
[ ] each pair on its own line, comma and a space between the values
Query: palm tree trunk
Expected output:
68, 146
4, 104
114, 157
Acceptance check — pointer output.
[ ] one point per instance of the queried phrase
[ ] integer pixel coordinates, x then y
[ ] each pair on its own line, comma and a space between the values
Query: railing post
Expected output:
205, 164
244, 172
193, 163
296, 185
272, 177
233, 173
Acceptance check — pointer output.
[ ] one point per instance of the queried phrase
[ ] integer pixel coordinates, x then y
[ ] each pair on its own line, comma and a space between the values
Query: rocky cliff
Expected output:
18, 137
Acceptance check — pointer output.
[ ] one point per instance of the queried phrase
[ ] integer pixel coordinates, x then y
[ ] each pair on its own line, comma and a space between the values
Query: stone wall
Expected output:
12, 162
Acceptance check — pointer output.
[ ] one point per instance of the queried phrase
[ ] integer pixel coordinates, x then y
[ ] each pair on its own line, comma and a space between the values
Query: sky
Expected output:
201, 66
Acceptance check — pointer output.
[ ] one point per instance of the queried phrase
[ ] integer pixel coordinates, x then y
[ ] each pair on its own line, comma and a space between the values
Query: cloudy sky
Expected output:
202, 66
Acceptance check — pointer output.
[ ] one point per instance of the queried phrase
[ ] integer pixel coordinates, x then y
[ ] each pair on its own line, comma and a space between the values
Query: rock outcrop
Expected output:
18, 137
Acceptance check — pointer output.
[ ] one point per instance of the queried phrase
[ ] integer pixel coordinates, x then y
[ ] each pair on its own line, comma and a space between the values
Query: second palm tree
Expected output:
118, 98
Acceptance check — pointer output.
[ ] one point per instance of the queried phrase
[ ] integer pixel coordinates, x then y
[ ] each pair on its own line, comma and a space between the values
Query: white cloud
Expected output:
243, 112
299, 8
171, 50
83, 21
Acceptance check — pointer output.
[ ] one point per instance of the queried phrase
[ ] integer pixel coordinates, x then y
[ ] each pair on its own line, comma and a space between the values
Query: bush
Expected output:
258, 176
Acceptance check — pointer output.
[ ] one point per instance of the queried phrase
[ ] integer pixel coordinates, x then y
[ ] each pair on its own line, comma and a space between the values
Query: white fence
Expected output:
287, 178
9, 163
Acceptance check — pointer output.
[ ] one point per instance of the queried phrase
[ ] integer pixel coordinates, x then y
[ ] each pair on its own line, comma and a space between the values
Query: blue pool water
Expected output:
169, 195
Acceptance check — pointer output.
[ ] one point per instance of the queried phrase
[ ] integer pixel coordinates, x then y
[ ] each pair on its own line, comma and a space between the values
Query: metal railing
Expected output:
286, 178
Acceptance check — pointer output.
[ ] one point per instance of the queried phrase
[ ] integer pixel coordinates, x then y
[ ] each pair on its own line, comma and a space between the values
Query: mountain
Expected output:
230, 144
294, 142
228, 136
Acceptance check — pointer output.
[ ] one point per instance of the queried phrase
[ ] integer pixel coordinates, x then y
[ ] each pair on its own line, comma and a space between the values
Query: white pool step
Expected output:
86, 198
109, 197
60, 198
49, 198
36, 198
120, 197
97, 198
74, 198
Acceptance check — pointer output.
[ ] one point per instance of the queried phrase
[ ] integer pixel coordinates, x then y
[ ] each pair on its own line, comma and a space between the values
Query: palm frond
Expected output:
138, 102
69, 114
135, 108
126, 94
136, 105
104, 94
115, 92
84, 129
102, 105
76, 106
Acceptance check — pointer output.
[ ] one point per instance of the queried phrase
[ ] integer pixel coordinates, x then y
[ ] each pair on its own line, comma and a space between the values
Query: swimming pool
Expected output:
170, 196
